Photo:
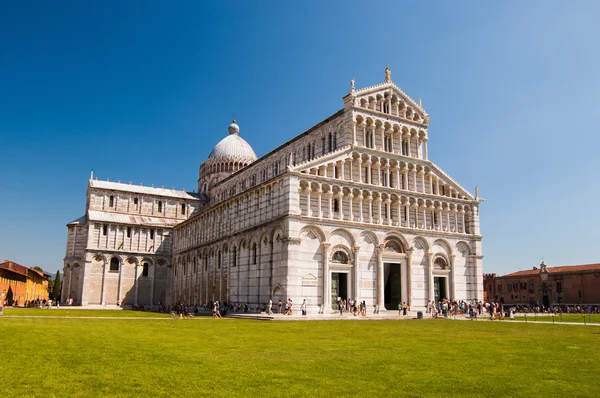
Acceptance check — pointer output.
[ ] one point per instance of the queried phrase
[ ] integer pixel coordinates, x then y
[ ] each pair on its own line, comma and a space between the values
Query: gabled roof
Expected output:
117, 186
556, 270
381, 87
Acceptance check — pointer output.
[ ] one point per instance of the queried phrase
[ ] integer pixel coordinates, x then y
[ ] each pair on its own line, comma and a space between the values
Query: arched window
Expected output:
394, 245
114, 264
234, 259
369, 139
388, 143
111, 201
340, 257
440, 263
254, 257
160, 206
145, 268
334, 141
336, 205
183, 209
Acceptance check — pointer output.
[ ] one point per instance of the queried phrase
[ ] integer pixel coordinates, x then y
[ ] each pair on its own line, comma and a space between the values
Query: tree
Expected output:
56, 287
37, 268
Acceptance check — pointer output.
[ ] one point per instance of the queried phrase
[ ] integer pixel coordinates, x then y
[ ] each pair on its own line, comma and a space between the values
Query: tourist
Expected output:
404, 309
399, 308
269, 307
279, 305
341, 306
303, 307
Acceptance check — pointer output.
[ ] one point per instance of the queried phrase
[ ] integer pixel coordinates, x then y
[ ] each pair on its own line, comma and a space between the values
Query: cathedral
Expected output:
350, 208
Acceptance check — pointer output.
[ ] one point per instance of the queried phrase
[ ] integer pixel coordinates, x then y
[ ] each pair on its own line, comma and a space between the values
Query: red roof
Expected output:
557, 270
14, 267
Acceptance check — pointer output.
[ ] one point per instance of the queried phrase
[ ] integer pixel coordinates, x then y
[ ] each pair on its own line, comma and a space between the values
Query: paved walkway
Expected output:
382, 315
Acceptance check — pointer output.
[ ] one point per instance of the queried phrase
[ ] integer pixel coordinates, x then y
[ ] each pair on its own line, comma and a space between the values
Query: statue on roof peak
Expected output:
388, 74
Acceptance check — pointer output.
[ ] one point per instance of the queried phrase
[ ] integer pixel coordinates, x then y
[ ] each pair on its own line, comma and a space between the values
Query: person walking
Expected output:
279, 305
303, 307
270, 306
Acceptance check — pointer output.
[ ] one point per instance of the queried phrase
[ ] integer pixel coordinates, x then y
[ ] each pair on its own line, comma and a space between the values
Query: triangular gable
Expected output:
366, 95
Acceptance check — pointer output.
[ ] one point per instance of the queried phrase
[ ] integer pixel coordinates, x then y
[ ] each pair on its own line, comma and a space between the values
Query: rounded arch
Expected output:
395, 242
340, 255
277, 233
161, 261
371, 236
317, 232
264, 239
443, 243
147, 260
132, 260
345, 234
463, 248
99, 258
420, 243
440, 261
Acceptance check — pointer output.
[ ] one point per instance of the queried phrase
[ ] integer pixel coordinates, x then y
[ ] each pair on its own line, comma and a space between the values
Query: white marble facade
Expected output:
351, 208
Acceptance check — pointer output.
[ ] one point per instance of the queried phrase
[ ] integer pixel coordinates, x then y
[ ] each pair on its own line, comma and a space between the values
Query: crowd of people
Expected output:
561, 308
443, 308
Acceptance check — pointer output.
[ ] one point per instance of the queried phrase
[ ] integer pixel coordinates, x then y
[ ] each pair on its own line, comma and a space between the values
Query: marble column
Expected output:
326, 276
355, 253
380, 286
452, 277
320, 192
308, 193
360, 204
137, 284
430, 289
409, 253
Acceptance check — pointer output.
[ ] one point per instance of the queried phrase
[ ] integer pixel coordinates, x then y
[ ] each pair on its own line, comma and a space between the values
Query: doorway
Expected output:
439, 288
392, 292
339, 288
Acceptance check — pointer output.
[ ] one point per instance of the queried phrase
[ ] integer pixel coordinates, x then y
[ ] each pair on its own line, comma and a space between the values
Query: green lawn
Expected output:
66, 312
71, 357
578, 318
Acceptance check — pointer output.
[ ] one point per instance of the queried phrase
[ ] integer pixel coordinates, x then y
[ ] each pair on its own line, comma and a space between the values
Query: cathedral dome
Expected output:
232, 148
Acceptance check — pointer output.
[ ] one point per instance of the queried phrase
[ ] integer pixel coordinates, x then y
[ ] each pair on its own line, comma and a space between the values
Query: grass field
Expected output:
204, 357
66, 312
578, 318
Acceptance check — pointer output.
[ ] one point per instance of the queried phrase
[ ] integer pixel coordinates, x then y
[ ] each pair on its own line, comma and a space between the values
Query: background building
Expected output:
572, 284
20, 284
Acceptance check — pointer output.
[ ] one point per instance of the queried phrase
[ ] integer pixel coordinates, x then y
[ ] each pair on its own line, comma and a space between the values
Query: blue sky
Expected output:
141, 91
